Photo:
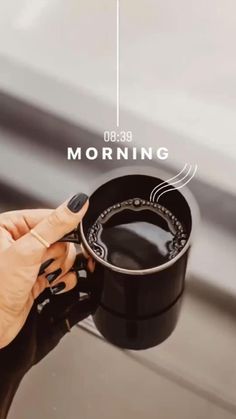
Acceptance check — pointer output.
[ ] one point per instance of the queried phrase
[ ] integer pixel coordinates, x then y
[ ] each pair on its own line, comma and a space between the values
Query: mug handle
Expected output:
85, 283
72, 237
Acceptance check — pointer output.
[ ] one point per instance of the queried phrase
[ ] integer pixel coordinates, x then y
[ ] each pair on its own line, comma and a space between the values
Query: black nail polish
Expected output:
44, 266
52, 276
77, 202
58, 288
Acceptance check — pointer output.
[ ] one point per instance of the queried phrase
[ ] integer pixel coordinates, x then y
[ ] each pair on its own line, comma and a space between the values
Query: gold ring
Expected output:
39, 238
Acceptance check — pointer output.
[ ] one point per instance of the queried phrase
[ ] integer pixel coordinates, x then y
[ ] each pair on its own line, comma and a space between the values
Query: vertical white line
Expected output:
118, 63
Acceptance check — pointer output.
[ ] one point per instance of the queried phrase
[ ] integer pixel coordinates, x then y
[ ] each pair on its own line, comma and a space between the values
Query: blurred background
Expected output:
177, 89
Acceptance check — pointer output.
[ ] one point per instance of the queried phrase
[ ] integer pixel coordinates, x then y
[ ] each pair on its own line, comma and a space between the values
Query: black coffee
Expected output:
137, 234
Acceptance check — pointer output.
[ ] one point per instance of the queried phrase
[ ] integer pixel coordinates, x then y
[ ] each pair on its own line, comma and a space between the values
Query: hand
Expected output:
22, 255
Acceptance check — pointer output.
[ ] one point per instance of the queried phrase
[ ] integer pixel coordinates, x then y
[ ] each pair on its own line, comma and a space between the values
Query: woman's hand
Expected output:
27, 267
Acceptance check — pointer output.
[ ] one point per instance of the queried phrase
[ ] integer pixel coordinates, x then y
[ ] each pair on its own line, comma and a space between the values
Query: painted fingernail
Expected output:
52, 276
44, 266
77, 202
58, 288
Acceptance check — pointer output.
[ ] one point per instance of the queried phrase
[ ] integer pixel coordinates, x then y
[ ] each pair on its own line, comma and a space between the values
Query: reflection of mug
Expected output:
138, 309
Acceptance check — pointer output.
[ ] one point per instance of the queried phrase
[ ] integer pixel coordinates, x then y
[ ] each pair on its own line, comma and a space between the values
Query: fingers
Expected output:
54, 258
14, 224
54, 226
39, 286
63, 220
19, 223
56, 272
91, 264
64, 284
63, 265
69, 280
58, 261
65, 280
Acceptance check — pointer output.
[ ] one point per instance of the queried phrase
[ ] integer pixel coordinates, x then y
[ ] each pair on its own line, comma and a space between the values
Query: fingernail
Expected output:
77, 202
58, 288
52, 276
44, 266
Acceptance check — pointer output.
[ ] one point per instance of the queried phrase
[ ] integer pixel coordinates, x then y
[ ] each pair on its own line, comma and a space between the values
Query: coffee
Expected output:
137, 234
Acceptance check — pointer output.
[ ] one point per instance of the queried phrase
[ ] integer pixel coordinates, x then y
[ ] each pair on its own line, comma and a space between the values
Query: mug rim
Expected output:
194, 212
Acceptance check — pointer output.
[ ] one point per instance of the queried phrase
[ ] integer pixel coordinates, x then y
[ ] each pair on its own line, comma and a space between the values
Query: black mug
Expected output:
138, 308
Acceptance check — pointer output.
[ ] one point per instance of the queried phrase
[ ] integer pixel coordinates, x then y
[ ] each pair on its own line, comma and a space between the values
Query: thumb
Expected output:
52, 228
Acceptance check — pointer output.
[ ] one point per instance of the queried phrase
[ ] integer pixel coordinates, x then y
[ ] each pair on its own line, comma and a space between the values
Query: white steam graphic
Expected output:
156, 195
169, 181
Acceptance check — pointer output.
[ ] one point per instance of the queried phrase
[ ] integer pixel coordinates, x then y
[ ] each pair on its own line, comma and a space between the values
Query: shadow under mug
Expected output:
138, 309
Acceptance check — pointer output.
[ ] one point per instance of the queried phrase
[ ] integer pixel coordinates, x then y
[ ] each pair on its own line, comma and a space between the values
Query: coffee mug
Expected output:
138, 308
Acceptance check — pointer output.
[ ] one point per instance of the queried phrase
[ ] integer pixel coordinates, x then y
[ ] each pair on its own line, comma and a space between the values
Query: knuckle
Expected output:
65, 248
59, 249
71, 281
25, 251
7, 215
2, 229
55, 219
3, 218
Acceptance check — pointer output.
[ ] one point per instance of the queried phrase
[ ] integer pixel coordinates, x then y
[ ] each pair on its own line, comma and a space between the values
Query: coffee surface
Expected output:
137, 234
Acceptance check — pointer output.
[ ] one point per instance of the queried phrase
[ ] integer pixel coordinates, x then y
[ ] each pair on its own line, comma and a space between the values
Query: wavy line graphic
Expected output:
174, 189
173, 183
167, 181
